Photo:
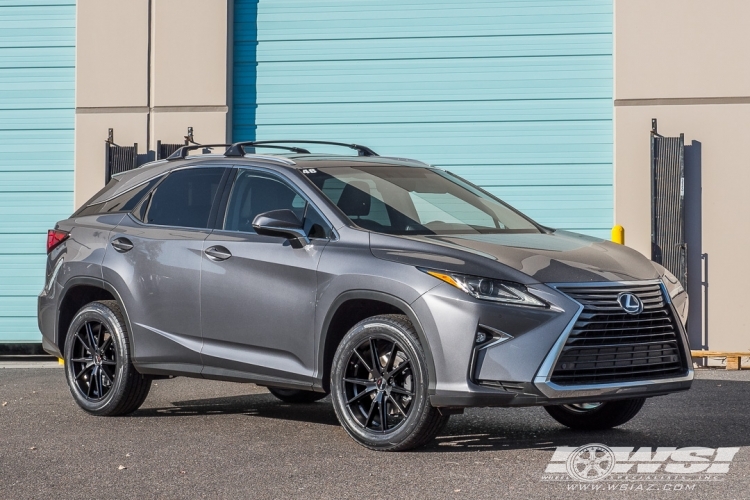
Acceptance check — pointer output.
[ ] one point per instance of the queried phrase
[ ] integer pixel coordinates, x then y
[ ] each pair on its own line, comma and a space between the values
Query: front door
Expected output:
258, 292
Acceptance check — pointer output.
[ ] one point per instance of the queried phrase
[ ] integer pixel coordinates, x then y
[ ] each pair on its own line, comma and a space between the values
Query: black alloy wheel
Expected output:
378, 384
98, 366
94, 360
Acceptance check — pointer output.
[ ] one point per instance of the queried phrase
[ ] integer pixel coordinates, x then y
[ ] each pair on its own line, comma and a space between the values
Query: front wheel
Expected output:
596, 416
98, 367
379, 386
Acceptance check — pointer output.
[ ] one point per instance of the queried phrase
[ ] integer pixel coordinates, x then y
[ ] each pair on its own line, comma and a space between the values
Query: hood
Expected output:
557, 257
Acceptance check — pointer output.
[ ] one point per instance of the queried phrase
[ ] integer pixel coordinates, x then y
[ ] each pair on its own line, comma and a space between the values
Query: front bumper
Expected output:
518, 372
529, 394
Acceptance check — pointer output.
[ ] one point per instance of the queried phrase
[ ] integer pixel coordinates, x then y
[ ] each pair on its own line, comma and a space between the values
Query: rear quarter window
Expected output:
125, 202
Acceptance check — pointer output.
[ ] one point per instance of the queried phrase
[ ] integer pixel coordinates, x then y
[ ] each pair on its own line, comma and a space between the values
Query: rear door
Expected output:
154, 261
258, 292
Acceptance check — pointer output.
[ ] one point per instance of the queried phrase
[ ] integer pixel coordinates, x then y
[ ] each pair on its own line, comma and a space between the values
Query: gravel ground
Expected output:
206, 439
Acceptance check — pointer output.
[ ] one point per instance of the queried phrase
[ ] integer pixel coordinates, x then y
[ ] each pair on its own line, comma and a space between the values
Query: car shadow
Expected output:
260, 405
712, 414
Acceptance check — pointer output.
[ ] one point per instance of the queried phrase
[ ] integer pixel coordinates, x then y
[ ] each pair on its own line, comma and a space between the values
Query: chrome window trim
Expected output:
542, 380
140, 184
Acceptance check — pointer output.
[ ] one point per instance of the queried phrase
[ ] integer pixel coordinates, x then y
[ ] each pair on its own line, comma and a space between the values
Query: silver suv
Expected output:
404, 291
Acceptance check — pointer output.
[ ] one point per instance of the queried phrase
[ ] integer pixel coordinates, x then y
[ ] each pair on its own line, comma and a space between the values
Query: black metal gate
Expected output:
118, 159
668, 246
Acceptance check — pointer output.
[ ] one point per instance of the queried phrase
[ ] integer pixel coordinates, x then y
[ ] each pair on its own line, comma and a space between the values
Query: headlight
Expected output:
489, 289
674, 287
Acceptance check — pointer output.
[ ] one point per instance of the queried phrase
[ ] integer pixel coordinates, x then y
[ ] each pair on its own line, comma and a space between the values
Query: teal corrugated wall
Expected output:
37, 106
514, 95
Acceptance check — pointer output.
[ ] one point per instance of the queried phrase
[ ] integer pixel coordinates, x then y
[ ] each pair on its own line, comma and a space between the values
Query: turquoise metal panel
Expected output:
37, 106
515, 95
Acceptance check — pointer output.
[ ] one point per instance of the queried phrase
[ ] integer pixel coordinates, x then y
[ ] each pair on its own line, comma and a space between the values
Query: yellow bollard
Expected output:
60, 361
618, 234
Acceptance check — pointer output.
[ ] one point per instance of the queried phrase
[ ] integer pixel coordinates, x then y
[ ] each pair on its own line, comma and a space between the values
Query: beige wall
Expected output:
685, 63
681, 48
148, 84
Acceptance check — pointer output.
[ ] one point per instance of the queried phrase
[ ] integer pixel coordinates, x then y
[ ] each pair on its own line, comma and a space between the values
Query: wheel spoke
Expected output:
401, 390
374, 354
85, 343
399, 368
358, 381
92, 378
82, 360
100, 382
99, 335
90, 336
362, 360
398, 406
106, 343
111, 376
360, 395
391, 359
84, 371
109, 362
371, 413
383, 405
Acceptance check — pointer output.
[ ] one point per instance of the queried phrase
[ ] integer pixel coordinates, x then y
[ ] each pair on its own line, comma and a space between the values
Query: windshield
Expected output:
414, 200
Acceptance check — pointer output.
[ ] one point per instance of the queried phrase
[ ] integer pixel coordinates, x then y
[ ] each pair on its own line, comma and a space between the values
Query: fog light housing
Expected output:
486, 336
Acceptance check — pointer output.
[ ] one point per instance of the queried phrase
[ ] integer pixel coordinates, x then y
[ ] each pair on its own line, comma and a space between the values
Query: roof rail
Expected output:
238, 148
181, 153
242, 145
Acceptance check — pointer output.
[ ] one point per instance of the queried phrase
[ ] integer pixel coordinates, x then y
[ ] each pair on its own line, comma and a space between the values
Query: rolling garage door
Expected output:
515, 95
37, 59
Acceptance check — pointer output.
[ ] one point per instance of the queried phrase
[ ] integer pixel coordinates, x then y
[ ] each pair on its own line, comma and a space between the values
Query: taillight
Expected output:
54, 238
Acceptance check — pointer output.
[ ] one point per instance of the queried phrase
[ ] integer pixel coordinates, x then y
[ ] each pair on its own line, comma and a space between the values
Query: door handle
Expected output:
122, 245
217, 253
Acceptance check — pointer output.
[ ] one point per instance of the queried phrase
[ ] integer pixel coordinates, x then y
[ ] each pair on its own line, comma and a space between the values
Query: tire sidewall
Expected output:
358, 334
100, 313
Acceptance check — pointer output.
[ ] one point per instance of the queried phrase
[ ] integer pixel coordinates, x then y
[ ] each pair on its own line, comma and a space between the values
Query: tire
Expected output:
394, 382
104, 382
604, 416
295, 396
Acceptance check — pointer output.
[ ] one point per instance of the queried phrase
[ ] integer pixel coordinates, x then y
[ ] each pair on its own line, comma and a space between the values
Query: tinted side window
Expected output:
255, 193
185, 198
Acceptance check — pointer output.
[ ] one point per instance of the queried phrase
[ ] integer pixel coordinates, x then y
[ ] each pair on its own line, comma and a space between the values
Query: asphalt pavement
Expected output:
206, 439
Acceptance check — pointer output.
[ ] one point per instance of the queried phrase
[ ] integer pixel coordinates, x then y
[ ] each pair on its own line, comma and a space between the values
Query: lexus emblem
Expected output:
630, 303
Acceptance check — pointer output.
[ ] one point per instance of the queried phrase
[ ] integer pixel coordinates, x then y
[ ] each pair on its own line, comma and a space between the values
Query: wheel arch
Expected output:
365, 303
76, 293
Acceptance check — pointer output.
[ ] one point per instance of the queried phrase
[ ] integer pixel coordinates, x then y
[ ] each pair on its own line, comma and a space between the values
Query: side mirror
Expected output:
283, 223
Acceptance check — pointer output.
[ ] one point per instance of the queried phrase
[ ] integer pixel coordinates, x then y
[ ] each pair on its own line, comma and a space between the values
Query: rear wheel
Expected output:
379, 386
98, 367
295, 396
596, 416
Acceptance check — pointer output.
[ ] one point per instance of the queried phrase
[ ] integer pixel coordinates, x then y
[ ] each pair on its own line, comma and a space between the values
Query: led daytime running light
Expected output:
489, 289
